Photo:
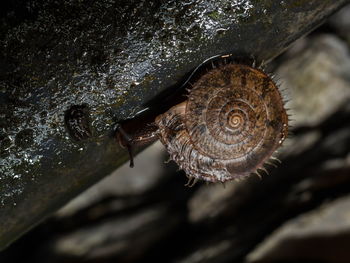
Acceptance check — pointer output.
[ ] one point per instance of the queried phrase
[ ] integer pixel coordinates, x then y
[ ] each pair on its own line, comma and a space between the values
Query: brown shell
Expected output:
230, 125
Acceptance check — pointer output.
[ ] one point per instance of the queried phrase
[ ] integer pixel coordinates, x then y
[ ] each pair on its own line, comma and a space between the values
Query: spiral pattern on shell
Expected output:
233, 121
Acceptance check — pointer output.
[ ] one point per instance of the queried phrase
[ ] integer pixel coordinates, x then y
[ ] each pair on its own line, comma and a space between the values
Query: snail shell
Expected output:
230, 125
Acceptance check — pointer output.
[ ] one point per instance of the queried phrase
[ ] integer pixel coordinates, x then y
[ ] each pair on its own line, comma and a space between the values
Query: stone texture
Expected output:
125, 181
320, 235
341, 23
125, 237
316, 80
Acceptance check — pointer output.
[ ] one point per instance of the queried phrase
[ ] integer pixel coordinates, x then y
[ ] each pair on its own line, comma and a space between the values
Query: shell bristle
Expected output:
191, 182
272, 164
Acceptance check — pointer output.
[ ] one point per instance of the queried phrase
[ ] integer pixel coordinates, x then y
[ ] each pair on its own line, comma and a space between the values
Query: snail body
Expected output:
230, 125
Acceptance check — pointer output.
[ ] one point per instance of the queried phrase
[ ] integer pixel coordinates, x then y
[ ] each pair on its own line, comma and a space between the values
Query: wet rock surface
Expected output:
146, 213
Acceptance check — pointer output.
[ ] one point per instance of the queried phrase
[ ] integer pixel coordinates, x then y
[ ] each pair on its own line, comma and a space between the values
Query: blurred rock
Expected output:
341, 23
210, 201
331, 173
125, 238
126, 181
316, 80
322, 235
295, 146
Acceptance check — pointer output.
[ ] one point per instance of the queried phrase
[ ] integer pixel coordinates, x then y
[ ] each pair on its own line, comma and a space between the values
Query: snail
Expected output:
229, 126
